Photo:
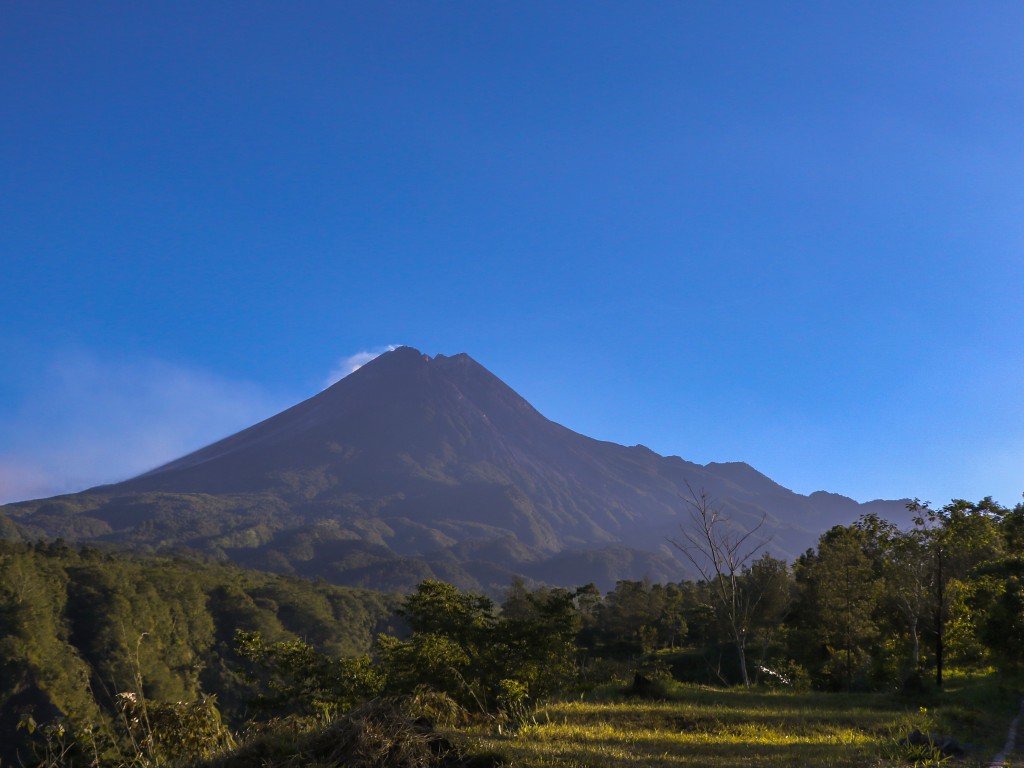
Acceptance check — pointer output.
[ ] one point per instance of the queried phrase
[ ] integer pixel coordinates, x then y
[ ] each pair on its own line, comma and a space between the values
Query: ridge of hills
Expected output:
415, 467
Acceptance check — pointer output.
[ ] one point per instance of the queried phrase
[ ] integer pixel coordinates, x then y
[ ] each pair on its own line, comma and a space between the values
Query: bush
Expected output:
378, 734
513, 709
181, 731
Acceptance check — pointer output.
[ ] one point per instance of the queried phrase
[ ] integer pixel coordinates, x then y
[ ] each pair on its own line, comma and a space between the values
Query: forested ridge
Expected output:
80, 625
91, 636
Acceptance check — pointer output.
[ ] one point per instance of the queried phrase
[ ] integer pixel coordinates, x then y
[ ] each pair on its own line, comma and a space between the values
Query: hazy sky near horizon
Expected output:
782, 233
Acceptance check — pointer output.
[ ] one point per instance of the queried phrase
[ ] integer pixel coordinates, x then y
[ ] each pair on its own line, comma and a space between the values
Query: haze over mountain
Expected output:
414, 467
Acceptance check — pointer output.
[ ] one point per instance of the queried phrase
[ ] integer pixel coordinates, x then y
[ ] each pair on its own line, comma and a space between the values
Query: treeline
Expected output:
872, 607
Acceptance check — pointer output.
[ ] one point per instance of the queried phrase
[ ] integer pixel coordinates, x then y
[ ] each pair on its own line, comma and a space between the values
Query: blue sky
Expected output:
782, 233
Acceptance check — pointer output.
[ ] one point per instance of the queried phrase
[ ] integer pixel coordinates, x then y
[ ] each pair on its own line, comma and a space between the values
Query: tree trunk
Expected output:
940, 623
741, 650
915, 645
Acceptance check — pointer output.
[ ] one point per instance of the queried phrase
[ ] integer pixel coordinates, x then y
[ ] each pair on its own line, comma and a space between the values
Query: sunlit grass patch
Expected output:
712, 727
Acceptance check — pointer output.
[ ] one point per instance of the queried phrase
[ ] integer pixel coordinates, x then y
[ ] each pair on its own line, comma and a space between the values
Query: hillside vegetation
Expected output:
79, 626
828, 661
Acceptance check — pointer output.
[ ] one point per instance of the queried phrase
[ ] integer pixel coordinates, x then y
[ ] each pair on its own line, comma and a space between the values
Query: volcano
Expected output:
419, 467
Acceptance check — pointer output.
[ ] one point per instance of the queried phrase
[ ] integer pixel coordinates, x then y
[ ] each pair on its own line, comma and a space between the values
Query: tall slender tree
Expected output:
843, 588
958, 537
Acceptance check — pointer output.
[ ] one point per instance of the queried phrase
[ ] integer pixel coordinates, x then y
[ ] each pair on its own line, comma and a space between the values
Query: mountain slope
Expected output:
429, 466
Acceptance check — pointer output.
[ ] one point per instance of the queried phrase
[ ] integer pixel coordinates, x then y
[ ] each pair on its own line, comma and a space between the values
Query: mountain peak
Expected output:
405, 354
411, 356
405, 350
396, 370
413, 455
392, 361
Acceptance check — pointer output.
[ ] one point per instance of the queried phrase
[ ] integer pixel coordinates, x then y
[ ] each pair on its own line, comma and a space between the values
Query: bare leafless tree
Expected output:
721, 553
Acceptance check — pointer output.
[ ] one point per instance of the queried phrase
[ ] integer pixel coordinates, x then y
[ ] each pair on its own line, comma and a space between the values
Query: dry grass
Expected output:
379, 734
736, 728
695, 727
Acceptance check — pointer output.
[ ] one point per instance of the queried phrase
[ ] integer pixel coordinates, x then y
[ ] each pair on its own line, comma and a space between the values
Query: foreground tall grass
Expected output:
699, 726
689, 725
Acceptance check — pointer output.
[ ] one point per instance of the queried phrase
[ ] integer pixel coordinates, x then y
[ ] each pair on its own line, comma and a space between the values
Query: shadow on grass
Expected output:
715, 727
648, 753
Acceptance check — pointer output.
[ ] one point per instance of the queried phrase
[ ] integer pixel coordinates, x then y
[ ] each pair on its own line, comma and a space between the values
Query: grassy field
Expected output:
700, 726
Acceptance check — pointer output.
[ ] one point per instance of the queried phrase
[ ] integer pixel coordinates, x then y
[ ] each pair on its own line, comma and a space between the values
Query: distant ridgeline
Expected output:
418, 468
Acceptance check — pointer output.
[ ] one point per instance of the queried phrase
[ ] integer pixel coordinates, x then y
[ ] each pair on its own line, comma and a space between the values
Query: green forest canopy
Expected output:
872, 607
